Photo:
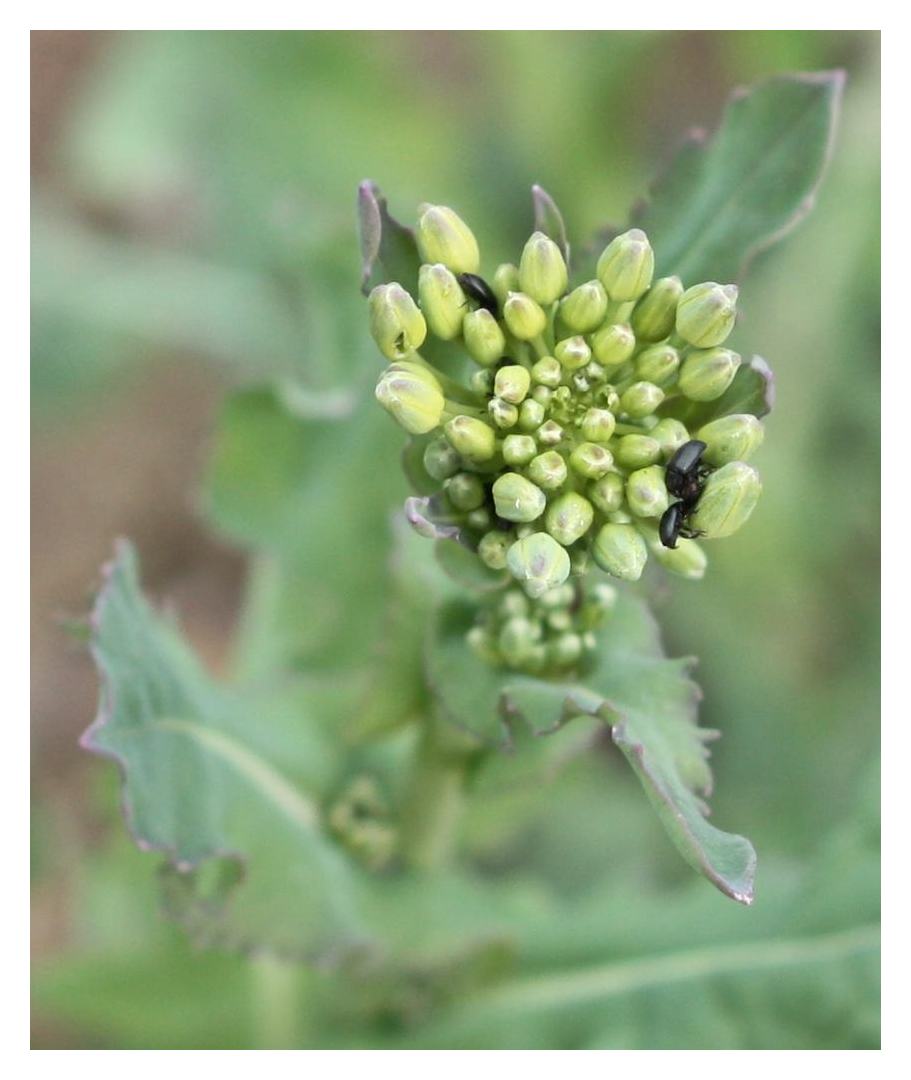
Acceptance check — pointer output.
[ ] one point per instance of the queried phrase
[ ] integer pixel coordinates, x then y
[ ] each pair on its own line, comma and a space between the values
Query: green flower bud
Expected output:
705, 375
543, 395
569, 518
519, 449
549, 433
517, 640
396, 322
731, 438
585, 307
505, 280
620, 551
565, 650
614, 344
573, 353
599, 602
415, 401
443, 237
473, 439
559, 597
512, 383
502, 413
547, 372
440, 460
706, 313
598, 425
637, 451
687, 559
517, 499
626, 266
442, 300
548, 470
465, 491
654, 317
591, 460
658, 364
646, 494
539, 563
542, 271
524, 317
728, 499
670, 435
641, 399
481, 382
484, 339
513, 604
531, 415
607, 493
480, 519
482, 645
492, 549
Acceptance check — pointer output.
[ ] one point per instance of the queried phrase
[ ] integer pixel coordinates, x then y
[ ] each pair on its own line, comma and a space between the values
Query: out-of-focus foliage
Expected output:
210, 182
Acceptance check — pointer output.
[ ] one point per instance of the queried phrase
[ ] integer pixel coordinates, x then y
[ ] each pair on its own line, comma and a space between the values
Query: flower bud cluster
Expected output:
553, 454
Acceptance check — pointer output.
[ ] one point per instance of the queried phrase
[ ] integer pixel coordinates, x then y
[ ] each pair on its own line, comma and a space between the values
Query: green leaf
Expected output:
388, 249
724, 200
247, 862
465, 568
647, 699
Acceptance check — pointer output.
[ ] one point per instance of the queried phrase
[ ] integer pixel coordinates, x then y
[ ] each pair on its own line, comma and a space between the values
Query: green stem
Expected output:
278, 1017
433, 803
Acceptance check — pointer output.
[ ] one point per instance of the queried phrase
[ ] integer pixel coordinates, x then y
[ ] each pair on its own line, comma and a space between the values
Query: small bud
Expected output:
473, 439
542, 271
480, 519
706, 313
729, 497
442, 300
626, 266
443, 237
484, 339
547, 372
517, 499
641, 399
559, 597
440, 460
731, 438
569, 518
531, 415
492, 549
621, 551
519, 449
512, 383
670, 435
658, 364
654, 317
646, 494
637, 451
481, 382
482, 645
687, 559
565, 650
573, 353
396, 322
539, 563
543, 395
614, 344
465, 491
416, 401
705, 375
585, 307
607, 493
548, 470
549, 433
505, 280
598, 604
598, 425
591, 460
503, 414
524, 317
513, 604
516, 640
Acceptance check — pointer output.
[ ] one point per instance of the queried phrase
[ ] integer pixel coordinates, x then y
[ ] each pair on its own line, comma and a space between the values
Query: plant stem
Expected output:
277, 1003
433, 803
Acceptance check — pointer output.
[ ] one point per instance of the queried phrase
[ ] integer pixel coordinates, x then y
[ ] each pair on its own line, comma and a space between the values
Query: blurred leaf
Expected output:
648, 701
724, 200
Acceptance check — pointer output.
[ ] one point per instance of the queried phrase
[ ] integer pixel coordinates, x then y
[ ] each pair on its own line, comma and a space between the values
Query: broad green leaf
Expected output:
725, 199
649, 702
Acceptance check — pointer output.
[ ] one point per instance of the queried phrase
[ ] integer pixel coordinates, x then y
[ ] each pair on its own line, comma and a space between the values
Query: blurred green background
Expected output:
193, 229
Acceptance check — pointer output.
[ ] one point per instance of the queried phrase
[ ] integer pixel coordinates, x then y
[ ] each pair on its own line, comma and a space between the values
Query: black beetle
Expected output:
477, 289
684, 477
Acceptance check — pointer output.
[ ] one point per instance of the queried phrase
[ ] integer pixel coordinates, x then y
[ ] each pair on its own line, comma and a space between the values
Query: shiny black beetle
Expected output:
477, 289
684, 477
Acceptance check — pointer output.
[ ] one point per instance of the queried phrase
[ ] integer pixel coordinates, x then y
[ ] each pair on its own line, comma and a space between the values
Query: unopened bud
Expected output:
655, 314
548, 470
547, 372
484, 339
598, 425
614, 344
620, 551
517, 499
573, 353
465, 491
531, 415
442, 300
641, 399
591, 460
706, 374
440, 460
503, 414
482, 382
549, 433
492, 549
670, 435
542, 271
524, 317
416, 401
706, 314
396, 322
687, 559
607, 493
565, 650
646, 494
517, 639
473, 439
729, 497
479, 519
626, 266
569, 518
658, 364
505, 280
539, 563
585, 307
443, 237
731, 438
512, 383
637, 451
519, 449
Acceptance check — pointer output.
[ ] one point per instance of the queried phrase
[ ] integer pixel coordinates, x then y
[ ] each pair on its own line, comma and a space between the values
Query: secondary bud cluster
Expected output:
553, 454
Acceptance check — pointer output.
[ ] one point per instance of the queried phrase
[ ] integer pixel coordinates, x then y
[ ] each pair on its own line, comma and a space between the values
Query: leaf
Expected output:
648, 701
464, 567
388, 249
752, 391
724, 200
196, 788
549, 220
